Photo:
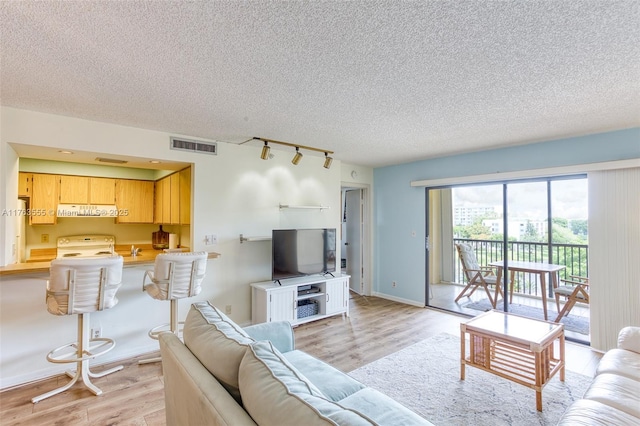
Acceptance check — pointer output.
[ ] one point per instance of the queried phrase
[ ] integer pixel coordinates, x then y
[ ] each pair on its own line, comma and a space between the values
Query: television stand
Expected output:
300, 300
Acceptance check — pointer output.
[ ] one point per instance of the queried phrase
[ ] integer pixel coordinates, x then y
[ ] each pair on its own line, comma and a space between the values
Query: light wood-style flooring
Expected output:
135, 396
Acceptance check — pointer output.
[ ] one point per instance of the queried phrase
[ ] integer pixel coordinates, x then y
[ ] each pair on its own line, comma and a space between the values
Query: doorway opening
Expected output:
355, 238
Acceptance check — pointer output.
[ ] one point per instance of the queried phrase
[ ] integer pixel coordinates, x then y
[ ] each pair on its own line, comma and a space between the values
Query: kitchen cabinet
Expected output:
44, 199
136, 198
102, 191
74, 189
185, 196
300, 300
87, 190
168, 200
163, 201
25, 187
174, 207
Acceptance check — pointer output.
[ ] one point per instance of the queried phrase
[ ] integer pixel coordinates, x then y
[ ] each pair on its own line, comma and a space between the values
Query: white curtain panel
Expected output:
614, 253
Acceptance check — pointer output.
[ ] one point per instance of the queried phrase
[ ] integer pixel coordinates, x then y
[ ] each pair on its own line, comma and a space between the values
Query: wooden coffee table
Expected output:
514, 347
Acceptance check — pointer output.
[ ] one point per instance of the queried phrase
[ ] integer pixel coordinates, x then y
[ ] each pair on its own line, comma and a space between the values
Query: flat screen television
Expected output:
301, 252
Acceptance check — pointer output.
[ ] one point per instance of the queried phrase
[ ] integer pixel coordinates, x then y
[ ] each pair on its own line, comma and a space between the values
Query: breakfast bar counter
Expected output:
145, 256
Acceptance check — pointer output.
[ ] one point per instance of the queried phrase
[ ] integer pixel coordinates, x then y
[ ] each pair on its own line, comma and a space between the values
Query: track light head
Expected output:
265, 151
296, 158
327, 161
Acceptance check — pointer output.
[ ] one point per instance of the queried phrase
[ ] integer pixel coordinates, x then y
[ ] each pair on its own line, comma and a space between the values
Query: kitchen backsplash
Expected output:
124, 233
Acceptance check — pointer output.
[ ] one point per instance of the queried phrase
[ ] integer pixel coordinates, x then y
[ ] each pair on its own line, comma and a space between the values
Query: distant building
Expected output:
463, 216
517, 227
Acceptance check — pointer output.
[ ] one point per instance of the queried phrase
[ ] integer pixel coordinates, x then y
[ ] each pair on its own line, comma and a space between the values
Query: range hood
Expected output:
87, 210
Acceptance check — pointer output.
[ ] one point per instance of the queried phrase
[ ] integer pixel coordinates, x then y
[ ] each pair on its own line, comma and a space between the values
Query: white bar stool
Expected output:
175, 276
79, 287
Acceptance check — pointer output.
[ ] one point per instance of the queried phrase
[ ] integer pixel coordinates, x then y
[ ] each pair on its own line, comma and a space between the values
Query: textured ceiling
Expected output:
379, 83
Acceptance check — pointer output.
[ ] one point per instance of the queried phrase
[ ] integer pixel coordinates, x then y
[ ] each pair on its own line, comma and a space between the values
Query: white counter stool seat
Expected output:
175, 276
79, 287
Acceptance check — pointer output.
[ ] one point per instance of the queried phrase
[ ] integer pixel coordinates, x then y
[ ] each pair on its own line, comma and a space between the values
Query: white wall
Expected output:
234, 193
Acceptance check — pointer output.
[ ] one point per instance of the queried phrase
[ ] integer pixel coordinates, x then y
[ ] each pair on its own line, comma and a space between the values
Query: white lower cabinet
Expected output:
300, 300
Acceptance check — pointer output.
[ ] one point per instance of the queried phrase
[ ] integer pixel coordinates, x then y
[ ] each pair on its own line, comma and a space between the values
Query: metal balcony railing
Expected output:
573, 256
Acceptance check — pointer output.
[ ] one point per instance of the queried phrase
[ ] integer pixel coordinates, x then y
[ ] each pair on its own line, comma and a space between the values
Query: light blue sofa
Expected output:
227, 375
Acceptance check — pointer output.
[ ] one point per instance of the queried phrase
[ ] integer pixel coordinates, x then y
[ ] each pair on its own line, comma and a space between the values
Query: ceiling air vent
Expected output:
194, 146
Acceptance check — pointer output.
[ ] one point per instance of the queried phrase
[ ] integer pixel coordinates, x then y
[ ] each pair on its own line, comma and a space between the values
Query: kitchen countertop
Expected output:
146, 256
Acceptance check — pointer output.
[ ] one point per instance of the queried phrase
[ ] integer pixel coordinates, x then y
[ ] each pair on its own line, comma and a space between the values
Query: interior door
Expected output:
354, 239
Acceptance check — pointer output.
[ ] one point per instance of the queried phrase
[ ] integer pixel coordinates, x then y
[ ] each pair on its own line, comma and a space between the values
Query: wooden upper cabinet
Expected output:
74, 189
102, 191
135, 196
159, 201
25, 186
185, 196
44, 200
169, 200
174, 208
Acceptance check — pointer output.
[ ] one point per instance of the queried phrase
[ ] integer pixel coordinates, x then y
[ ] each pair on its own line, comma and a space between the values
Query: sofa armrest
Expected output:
629, 339
280, 333
192, 395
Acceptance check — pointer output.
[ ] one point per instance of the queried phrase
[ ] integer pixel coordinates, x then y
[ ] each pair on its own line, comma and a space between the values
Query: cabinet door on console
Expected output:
337, 295
282, 304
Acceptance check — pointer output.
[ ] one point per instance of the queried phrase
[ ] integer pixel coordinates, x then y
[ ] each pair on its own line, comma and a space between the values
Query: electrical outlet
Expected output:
96, 332
227, 309
393, 284
44, 238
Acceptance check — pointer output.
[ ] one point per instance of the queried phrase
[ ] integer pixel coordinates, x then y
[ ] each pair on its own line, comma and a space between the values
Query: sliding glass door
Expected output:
537, 226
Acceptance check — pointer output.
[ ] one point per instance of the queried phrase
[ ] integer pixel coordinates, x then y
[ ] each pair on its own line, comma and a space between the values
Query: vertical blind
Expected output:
614, 253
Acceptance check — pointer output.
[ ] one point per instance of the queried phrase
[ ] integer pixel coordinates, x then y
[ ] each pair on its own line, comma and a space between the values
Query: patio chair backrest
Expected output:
468, 259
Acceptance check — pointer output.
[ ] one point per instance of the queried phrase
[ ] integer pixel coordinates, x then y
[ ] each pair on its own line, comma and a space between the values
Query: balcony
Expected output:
574, 256
527, 292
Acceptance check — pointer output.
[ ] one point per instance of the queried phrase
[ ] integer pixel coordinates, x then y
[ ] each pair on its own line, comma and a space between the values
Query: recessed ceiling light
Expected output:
65, 152
155, 161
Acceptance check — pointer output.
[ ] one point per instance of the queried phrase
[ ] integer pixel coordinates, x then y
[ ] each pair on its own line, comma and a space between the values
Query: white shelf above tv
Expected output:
288, 206
244, 239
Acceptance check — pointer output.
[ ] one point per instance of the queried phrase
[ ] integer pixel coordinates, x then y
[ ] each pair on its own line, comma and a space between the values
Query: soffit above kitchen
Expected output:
379, 83
94, 158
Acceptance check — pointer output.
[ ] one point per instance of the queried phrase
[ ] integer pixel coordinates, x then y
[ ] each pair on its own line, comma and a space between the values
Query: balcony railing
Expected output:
573, 256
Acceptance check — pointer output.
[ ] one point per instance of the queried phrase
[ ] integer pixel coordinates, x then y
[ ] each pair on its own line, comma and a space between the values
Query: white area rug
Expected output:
425, 377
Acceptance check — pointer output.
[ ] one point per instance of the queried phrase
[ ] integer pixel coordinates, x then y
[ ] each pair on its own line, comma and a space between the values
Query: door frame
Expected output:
366, 246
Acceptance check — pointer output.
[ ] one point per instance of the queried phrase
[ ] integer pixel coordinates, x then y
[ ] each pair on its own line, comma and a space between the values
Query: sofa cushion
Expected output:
586, 412
333, 384
276, 393
616, 391
621, 362
382, 409
217, 342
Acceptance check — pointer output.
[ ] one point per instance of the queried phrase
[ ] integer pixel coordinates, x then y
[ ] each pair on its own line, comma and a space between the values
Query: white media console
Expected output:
300, 300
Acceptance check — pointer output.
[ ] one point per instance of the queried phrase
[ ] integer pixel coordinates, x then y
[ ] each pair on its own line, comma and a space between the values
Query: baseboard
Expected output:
57, 369
398, 299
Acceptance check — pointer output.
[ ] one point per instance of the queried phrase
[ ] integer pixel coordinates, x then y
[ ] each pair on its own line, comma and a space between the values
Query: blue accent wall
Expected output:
399, 209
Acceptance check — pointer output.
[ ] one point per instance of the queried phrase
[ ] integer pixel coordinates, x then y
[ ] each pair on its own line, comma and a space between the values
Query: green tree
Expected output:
580, 227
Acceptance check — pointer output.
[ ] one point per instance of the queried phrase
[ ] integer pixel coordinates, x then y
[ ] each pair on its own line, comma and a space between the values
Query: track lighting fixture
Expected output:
265, 151
327, 161
296, 158
265, 154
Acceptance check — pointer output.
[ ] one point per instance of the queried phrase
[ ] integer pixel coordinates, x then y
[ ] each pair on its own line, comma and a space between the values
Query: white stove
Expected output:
86, 246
